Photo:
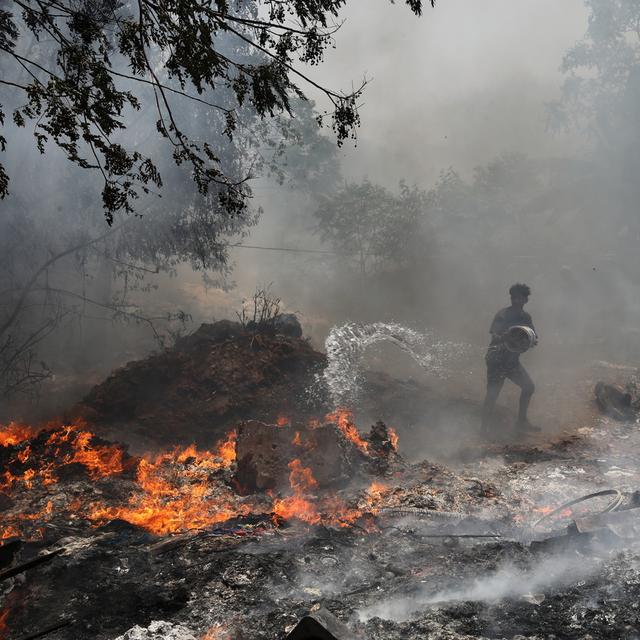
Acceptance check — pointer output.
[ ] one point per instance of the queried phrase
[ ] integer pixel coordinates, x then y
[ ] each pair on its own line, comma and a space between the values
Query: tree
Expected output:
78, 69
372, 227
308, 160
600, 98
508, 207
61, 275
602, 85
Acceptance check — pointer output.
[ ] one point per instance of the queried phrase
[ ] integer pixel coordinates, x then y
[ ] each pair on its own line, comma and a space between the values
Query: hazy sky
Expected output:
465, 82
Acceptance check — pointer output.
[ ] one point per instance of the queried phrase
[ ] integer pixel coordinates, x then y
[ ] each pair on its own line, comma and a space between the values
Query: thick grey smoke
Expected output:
508, 581
462, 87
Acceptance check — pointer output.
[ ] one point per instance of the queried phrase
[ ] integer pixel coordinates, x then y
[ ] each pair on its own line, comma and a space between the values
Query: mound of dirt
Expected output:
223, 375
212, 379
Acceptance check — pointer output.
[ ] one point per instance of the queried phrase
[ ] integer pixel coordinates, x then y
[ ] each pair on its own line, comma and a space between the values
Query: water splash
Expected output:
346, 345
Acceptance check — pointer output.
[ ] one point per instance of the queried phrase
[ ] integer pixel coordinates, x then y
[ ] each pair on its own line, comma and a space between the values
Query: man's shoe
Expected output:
526, 427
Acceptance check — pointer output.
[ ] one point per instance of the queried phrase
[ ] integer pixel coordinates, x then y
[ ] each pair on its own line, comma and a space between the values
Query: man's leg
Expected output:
520, 377
495, 381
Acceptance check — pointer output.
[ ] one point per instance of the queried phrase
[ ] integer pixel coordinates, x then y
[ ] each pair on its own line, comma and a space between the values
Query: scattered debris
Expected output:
158, 630
615, 402
285, 515
265, 451
565, 510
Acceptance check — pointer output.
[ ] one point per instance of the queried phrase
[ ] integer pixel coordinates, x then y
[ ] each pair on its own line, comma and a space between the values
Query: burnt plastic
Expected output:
321, 625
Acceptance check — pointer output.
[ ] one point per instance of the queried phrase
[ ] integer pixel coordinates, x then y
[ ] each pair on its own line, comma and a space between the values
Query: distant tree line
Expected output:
155, 116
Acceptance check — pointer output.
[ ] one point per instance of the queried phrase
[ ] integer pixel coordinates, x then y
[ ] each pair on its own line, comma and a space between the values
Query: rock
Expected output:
614, 401
264, 451
321, 625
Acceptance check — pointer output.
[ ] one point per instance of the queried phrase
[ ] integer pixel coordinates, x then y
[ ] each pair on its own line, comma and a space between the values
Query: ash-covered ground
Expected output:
242, 538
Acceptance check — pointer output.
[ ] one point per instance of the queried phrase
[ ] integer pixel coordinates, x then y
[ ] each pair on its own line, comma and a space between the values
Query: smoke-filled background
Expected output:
498, 144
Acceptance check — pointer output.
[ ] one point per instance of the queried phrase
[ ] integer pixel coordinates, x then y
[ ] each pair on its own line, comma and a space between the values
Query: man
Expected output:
503, 363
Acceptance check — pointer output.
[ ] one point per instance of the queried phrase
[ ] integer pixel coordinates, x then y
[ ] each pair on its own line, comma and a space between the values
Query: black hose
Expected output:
612, 506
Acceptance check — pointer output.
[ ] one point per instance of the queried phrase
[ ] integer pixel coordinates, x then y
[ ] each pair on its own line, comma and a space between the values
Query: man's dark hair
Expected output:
520, 289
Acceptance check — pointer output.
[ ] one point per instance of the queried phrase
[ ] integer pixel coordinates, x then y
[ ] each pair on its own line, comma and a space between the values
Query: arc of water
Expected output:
346, 344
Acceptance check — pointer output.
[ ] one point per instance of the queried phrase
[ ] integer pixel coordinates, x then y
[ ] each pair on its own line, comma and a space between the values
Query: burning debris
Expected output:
280, 517
65, 482
103, 543
183, 489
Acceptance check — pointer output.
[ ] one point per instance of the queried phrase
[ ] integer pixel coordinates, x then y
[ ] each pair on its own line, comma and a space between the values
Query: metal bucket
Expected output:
519, 338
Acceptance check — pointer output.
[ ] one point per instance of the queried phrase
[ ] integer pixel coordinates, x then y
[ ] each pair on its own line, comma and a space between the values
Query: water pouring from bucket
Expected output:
346, 345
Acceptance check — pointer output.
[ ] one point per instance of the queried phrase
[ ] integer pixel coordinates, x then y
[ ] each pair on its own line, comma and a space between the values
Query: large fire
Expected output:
300, 505
166, 503
63, 446
344, 419
174, 491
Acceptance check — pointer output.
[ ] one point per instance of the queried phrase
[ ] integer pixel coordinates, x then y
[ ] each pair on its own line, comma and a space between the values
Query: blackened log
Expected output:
34, 562
47, 630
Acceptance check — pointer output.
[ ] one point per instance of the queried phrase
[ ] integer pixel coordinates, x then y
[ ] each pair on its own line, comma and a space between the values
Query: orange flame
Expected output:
15, 433
175, 490
393, 437
9, 532
167, 504
343, 418
217, 632
101, 461
330, 511
375, 493
298, 505
301, 478
4, 627
227, 449
545, 510
66, 445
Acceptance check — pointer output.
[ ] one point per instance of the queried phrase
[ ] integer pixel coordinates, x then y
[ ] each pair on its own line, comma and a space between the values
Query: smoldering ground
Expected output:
507, 581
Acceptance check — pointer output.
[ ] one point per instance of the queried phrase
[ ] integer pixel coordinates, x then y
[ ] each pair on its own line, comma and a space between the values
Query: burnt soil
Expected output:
409, 576
199, 389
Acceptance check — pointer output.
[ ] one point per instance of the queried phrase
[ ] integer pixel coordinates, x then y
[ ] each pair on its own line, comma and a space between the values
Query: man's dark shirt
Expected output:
506, 318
